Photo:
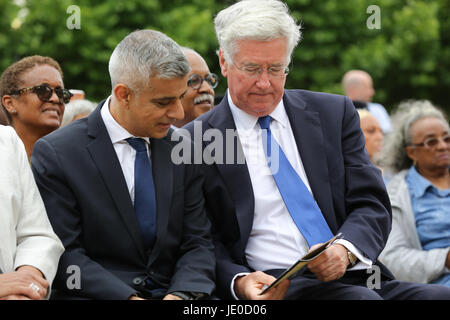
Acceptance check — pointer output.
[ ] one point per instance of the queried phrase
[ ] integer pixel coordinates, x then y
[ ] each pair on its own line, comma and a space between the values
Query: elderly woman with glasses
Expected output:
418, 248
32, 94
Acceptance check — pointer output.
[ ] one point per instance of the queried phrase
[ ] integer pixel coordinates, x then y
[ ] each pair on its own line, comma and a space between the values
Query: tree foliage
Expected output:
408, 57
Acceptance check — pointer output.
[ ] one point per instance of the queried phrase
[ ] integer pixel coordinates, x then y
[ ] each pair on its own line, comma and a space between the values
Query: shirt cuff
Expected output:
363, 263
232, 284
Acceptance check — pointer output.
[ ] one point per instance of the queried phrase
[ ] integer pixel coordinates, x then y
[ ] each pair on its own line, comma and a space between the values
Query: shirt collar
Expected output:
418, 184
245, 121
116, 132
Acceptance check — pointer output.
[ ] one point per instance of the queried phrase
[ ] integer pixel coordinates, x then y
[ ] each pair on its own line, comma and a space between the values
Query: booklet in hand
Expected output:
300, 264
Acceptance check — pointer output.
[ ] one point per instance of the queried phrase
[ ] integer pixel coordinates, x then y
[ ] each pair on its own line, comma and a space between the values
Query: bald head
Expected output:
192, 54
358, 85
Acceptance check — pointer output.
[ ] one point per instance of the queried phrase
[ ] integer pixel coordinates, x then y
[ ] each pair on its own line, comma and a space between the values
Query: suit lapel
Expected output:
308, 135
235, 176
163, 179
105, 159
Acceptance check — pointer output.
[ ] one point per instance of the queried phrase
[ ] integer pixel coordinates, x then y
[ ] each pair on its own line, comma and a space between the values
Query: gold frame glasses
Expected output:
195, 81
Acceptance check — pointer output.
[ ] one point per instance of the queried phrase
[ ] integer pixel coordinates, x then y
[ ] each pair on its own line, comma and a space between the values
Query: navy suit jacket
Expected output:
88, 203
347, 187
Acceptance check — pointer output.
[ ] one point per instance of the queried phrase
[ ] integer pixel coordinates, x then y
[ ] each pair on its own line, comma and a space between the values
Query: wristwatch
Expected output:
352, 259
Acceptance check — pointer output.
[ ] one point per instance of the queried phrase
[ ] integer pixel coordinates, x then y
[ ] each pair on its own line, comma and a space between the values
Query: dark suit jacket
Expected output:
347, 187
88, 203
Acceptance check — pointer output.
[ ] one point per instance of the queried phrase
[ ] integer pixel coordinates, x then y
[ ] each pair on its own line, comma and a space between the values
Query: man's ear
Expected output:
123, 94
223, 64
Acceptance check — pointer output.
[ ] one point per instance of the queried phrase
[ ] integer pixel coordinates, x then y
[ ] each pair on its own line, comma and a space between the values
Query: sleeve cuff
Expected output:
364, 263
232, 283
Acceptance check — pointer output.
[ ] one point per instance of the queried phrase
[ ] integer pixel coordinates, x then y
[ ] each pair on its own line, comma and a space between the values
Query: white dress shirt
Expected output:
125, 152
275, 242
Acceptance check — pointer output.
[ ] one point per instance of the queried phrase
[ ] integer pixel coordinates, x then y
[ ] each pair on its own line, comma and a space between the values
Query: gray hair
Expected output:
393, 155
260, 20
143, 53
75, 108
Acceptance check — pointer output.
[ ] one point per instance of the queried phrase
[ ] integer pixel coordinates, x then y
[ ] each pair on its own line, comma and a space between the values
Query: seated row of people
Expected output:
137, 224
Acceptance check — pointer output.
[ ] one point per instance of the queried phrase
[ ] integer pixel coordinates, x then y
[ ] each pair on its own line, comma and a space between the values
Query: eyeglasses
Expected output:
431, 143
45, 92
254, 70
195, 80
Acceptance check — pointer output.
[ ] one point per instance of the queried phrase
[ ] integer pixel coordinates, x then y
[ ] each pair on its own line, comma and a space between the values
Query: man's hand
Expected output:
172, 297
133, 297
15, 297
447, 262
331, 264
17, 284
248, 287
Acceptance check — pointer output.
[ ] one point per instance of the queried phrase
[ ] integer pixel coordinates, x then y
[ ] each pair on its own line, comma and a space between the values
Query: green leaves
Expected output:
409, 57
402, 56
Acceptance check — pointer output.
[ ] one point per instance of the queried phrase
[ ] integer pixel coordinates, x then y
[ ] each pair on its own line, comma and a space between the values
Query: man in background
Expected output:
201, 83
358, 86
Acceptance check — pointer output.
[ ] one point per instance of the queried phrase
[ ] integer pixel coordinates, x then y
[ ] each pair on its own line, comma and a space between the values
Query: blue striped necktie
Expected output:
144, 192
298, 200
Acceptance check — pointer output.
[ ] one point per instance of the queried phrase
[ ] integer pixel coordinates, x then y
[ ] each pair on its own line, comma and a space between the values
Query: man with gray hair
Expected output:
132, 222
306, 175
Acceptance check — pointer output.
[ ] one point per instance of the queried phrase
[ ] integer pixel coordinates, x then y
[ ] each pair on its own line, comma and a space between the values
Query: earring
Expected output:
13, 111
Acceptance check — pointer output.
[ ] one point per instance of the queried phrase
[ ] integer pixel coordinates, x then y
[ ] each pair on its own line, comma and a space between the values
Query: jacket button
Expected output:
137, 281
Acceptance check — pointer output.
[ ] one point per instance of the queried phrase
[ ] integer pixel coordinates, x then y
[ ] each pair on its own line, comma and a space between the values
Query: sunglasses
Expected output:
45, 92
195, 80
431, 143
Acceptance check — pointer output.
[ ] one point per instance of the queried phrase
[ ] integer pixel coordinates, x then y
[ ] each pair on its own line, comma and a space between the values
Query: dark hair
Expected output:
10, 79
360, 104
3, 118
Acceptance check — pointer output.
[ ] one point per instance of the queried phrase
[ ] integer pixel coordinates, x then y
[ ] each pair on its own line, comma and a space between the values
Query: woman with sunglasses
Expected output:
32, 94
418, 248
